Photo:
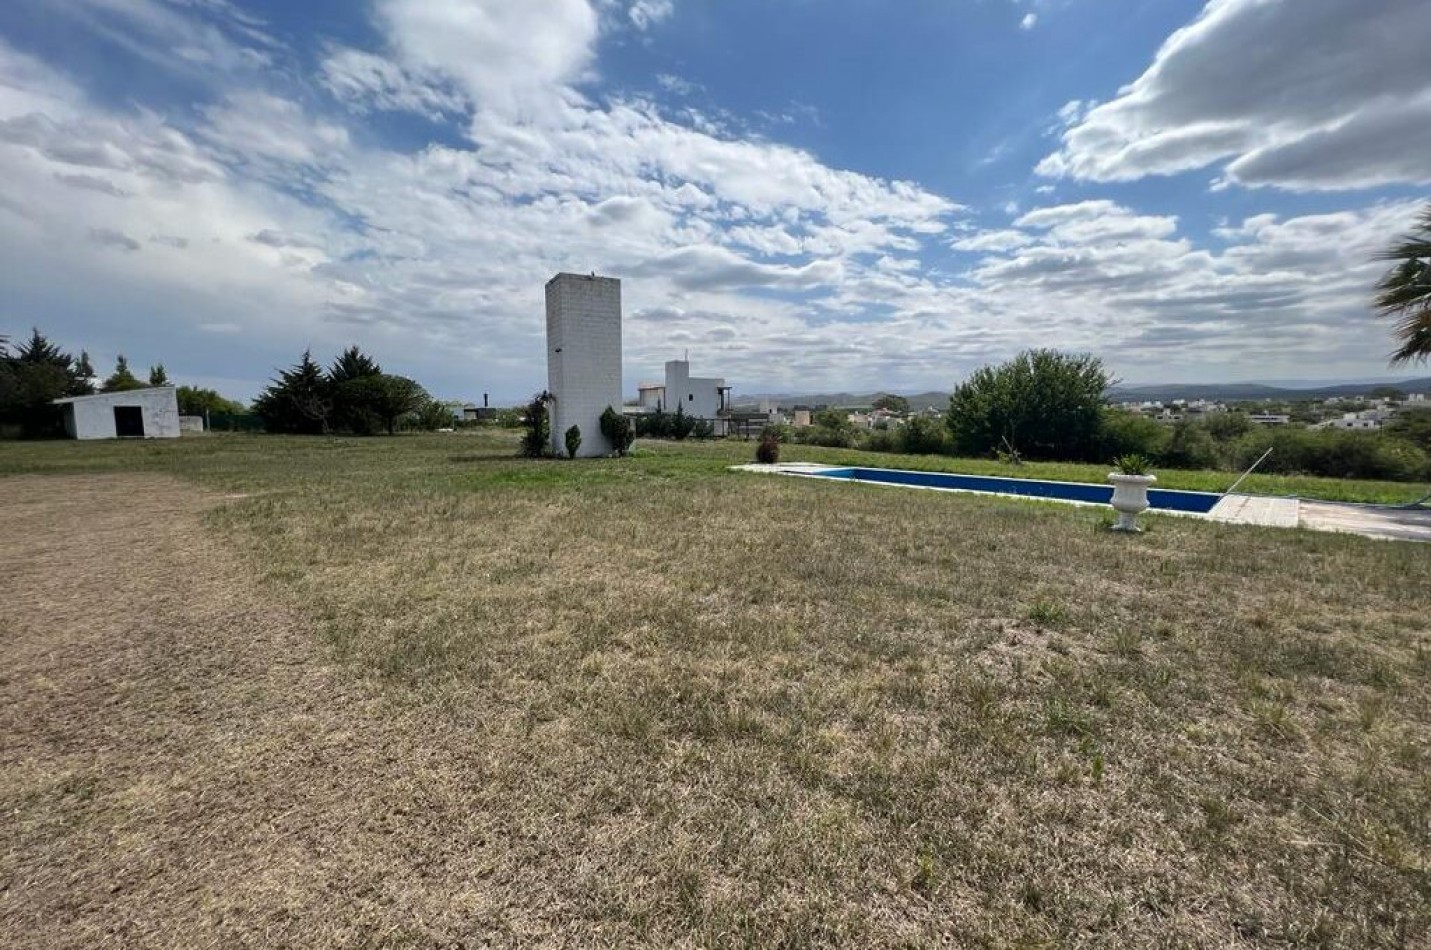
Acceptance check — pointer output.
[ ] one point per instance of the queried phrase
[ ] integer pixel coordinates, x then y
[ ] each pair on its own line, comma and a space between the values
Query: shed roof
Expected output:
122, 394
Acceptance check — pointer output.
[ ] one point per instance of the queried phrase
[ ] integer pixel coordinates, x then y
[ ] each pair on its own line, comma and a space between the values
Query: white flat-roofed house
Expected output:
149, 413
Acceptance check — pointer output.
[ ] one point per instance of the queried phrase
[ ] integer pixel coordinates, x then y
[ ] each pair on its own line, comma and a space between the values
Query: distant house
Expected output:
151, 413
1269, 418
704, 397
1370, 419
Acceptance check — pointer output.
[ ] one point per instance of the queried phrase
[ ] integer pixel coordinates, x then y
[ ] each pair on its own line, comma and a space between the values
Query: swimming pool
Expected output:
1159, 499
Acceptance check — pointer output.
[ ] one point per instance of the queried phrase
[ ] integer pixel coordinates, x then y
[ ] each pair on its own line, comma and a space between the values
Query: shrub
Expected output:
922, 435
682, 425
618, 429
1333, 453
767, 451
1125, 433
573, 441
842, 438
1042, 404
537, 427
1133, 464
1190, 445
881, 440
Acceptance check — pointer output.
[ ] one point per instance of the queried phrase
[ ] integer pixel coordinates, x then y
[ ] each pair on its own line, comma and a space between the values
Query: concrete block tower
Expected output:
583, 357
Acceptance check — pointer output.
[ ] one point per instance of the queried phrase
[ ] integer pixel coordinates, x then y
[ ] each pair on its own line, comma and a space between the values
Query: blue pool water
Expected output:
1164, 499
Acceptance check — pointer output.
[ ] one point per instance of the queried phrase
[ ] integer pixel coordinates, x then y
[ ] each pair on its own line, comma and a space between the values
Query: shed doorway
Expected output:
129, 422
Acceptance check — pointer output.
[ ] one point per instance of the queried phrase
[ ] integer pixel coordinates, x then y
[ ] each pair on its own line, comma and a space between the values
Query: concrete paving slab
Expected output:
1389, 524
1258, 510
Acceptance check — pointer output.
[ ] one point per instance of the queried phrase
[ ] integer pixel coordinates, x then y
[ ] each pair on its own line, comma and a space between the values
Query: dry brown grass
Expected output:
401, 695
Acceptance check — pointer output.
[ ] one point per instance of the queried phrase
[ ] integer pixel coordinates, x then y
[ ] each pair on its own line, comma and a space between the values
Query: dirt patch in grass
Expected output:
644, 702
181, 764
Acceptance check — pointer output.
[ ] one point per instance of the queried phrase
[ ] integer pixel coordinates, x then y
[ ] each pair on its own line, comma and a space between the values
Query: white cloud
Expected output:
1029, 21
367, 81
1311, 94
271, 228
514, 58
647, 13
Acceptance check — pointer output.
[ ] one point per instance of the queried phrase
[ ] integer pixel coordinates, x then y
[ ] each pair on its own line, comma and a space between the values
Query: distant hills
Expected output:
1159, 392
1247, 392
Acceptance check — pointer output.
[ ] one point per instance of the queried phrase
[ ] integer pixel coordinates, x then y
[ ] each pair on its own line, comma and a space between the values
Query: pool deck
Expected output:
1369, 521
1258, 510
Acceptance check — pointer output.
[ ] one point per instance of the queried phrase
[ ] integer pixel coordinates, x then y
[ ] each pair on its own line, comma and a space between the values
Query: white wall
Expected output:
699, 396
583, 357
92, 417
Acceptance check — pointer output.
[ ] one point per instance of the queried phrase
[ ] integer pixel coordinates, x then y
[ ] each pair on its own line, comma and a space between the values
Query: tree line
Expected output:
353, 395
37, 371
1044, 405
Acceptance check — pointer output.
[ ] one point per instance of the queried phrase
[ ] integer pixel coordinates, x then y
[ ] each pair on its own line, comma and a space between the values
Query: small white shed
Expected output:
151, 413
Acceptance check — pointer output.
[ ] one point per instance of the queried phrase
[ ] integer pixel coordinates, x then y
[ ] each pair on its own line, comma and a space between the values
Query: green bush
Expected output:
767, 450
618, 429
537, 427
881, 440
1190, 445
573, 441
1332, 453
1042, 404
921, 435
1131, 433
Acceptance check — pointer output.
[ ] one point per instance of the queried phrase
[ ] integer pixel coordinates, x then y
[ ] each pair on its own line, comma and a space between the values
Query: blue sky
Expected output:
805, 194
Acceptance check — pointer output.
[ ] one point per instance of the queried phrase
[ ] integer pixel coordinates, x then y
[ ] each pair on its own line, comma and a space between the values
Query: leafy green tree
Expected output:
1042, 404
921, 435
121, 380
1227, 426
537, 426
618, 430
892, 403
197, 402
1404, 294
1131, 433
157, 376
382, 398
573, 441
1412, 425
1190, 445
299, 401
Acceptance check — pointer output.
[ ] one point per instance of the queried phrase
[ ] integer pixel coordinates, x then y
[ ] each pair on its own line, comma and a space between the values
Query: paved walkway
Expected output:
1258, 510
1391, 524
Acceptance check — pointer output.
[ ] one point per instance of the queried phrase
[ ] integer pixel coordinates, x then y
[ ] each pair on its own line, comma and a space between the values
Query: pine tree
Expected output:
121, 380
31, 379
357, 396
157, 376
299, 401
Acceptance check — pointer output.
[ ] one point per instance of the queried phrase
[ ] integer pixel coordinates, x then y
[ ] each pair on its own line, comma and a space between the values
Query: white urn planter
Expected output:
1130, 498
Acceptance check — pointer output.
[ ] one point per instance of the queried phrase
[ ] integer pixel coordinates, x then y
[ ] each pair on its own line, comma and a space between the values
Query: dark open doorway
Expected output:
129, 422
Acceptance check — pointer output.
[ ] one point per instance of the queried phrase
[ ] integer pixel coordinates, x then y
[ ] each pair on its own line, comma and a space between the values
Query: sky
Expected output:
805, 195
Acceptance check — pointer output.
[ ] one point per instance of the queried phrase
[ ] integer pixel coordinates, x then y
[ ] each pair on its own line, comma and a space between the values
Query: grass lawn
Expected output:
690, 707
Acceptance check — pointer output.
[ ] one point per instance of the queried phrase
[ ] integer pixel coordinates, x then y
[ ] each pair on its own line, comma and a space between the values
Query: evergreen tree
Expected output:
357, 398
157, 376
83, 367
536, 438
31, 379
121, 380
299, 401
353, 363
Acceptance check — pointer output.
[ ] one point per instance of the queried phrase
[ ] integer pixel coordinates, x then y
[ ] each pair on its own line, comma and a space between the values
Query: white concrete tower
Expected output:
583, 357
